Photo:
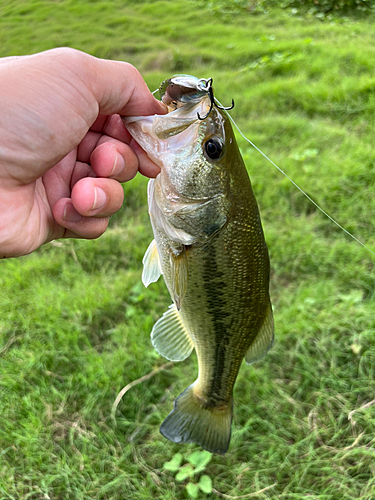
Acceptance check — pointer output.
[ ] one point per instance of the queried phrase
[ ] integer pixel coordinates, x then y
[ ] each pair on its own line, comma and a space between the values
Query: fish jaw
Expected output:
163, 137
187, 201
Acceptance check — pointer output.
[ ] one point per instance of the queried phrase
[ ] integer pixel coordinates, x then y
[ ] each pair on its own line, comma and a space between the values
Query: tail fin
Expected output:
193, 422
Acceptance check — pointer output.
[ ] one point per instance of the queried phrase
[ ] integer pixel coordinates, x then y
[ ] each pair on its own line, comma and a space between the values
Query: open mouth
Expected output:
174, 132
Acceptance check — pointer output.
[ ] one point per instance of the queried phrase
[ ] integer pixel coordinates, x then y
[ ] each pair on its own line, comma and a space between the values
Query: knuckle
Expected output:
68, 54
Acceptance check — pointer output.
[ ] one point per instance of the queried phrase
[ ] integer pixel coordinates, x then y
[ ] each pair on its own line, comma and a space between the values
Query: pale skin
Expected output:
63, 148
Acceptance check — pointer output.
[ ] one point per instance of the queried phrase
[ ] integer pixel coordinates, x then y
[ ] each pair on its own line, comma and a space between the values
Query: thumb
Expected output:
118, 87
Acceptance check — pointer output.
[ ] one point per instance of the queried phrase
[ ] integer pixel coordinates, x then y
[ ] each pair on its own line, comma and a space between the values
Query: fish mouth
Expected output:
172, 133
181, 89
174, 122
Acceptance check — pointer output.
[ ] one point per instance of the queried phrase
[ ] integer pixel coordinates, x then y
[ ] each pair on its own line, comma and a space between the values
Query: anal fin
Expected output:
263, 341
170, 337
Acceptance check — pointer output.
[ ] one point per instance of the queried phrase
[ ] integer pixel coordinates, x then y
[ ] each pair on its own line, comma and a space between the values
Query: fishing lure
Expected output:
182, 89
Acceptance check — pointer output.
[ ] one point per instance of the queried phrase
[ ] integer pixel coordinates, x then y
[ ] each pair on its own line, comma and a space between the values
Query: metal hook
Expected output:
208, 87
211, 94
226, 108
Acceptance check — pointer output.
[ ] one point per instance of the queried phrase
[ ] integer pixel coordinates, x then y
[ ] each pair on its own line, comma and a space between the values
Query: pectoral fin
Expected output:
151, 265
179, 274
170, 337
263, 341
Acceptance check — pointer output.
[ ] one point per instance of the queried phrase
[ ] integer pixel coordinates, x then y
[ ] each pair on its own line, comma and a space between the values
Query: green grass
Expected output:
75, 318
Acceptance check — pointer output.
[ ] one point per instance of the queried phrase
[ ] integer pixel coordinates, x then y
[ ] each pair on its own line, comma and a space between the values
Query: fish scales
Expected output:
209, 247
223, 329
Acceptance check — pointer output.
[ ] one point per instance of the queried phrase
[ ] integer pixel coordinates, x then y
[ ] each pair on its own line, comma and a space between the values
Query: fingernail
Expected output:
100, 199
71, 214
119, 164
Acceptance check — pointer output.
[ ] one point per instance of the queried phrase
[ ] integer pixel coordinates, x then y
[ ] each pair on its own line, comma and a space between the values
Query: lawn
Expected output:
75, 317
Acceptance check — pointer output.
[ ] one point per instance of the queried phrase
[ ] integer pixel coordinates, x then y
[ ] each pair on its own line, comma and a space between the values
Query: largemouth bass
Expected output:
210, 248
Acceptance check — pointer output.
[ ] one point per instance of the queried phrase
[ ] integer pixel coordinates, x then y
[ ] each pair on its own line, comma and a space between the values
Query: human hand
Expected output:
63, 147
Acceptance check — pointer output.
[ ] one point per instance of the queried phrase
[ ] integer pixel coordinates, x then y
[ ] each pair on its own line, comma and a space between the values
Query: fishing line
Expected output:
292, 181
296, 185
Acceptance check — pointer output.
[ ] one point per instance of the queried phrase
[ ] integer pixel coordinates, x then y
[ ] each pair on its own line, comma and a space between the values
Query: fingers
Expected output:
87, 212
146, 166
76, 225
114, 159
108, 157
97, 197
70, 85
112, 126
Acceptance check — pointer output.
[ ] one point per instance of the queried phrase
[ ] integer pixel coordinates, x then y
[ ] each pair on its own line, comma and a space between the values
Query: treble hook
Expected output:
206, 85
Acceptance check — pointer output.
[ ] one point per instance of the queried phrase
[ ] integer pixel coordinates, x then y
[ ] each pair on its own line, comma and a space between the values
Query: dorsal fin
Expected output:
170, 337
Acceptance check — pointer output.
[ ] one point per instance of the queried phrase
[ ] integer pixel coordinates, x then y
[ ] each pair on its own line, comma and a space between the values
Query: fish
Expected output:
209, 246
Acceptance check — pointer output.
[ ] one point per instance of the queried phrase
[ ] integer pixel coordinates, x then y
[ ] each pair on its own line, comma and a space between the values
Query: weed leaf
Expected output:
199, 459
174, 464
205, 484
184, 473
192, 490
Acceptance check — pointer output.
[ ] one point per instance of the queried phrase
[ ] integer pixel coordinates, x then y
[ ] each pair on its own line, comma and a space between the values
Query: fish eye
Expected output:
213, 148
